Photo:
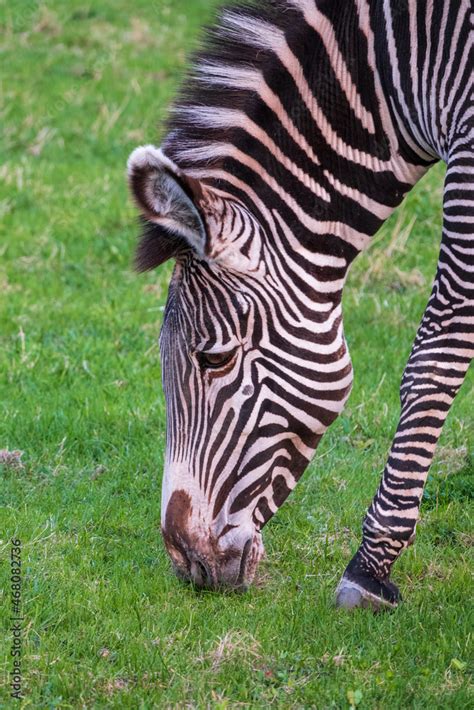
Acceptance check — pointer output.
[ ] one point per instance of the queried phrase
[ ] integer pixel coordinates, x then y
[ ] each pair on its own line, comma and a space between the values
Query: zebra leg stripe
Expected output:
442, 352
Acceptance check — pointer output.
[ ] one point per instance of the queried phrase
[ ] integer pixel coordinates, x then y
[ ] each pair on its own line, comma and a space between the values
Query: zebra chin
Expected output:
206, 557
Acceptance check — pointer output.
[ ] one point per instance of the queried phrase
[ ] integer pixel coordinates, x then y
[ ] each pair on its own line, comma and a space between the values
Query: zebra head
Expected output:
254, 365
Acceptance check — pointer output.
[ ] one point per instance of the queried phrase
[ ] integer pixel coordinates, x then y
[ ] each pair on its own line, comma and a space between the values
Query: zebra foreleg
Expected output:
442, 352
390, 523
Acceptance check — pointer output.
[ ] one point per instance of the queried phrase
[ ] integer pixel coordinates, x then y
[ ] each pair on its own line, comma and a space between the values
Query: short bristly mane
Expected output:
273, 105
220, 86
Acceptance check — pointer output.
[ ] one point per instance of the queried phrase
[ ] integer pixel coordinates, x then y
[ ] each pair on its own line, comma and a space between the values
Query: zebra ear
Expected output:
165, 199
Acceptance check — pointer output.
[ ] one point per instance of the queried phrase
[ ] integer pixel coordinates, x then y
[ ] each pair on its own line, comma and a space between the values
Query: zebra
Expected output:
301, 126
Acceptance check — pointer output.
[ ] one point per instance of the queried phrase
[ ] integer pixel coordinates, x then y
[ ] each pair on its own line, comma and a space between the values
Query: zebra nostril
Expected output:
200, 574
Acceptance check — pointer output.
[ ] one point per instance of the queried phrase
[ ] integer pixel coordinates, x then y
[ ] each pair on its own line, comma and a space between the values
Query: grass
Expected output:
106, 623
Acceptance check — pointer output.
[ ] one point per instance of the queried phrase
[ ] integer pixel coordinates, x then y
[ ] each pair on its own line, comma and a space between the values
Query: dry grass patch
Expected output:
234, 645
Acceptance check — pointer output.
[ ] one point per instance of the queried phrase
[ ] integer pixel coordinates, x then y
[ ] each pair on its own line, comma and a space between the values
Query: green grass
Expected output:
106, 623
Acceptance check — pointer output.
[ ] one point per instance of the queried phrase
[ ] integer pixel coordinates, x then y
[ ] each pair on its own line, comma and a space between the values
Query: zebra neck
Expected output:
285, 111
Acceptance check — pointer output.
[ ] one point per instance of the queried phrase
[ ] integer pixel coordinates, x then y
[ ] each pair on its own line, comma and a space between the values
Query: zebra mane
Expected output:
221, 85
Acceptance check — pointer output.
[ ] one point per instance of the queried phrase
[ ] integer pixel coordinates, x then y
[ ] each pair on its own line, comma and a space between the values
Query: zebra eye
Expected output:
210, 361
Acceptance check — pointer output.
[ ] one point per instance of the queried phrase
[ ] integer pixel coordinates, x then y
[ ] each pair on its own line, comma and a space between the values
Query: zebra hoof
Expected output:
382, 596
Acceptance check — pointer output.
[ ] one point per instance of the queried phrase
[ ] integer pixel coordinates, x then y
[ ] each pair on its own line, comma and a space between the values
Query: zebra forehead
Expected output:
211, 280
204, 299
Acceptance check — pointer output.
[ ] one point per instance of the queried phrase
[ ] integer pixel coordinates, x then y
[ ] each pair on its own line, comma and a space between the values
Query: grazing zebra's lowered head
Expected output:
254, 365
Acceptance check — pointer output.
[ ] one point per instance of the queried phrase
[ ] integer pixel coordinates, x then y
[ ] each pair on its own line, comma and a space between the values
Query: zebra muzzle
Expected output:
203, 556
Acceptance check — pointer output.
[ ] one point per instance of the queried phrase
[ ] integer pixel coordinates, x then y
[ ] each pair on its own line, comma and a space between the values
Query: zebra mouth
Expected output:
233, 571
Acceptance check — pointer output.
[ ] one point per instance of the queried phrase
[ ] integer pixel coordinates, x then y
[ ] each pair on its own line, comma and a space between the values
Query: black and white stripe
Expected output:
301, 127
